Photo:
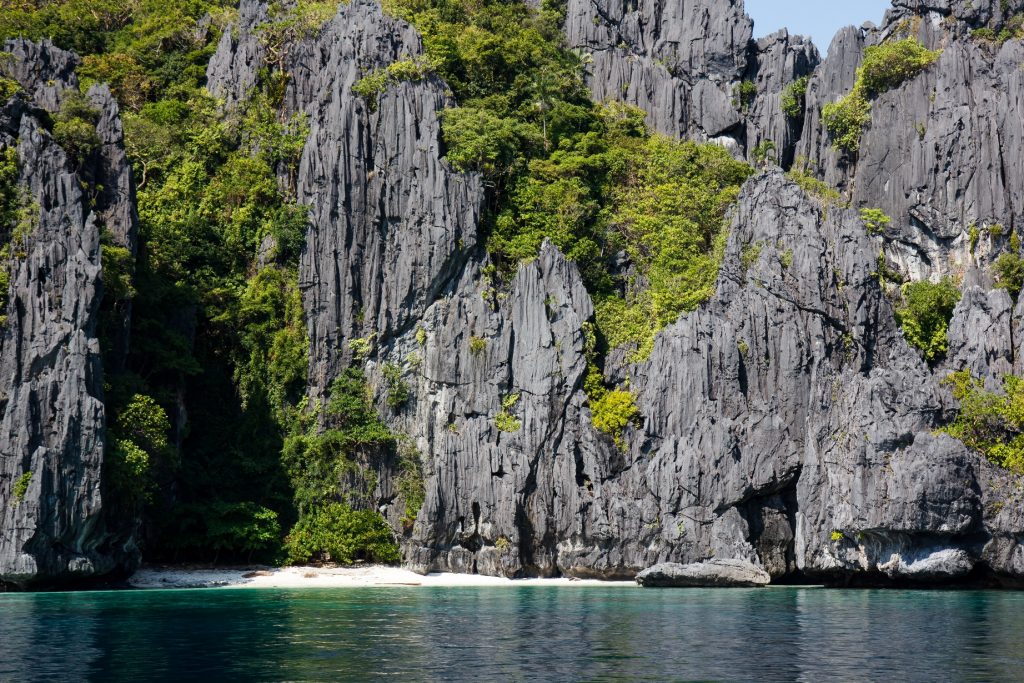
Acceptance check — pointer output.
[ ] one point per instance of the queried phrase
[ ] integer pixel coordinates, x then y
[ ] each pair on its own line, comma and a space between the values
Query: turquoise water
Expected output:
513, 634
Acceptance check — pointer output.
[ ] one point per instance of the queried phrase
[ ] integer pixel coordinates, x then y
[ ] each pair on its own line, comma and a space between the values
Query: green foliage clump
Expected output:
875, 220
883, 68
925, 313
138, 437
746, 93
74, 128
505, 421
845, 119
8, 87
1009, 269
409, 482
888, 65
765, 152
373, 85
750, 253
794, 98
990, 422
317, 459
9, 211
397, 389
614, 412
291, 22
825, 193
20, 487
477, 345
334, 532
242, 528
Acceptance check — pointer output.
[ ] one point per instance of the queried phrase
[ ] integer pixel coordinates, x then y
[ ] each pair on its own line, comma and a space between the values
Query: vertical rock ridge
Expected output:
52, 416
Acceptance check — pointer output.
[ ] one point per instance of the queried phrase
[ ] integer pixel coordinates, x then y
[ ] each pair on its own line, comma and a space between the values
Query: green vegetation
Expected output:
924, 315
794, 98
1013, 29
74, 128
819, 189
765, 152
1009, 268
746, 93
883, 68
373, 85
505, 421
337, 533
613, 412
875, 220
477, 345
9, 208
20, 487
211, 432
990, 422
396, 388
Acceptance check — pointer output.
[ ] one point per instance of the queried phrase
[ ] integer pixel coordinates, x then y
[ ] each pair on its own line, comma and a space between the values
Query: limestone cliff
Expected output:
52, 425
786, 422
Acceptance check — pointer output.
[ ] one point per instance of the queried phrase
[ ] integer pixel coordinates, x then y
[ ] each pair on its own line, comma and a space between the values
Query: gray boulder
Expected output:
710, 574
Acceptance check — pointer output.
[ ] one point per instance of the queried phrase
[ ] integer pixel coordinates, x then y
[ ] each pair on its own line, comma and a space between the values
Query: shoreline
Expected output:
369, 576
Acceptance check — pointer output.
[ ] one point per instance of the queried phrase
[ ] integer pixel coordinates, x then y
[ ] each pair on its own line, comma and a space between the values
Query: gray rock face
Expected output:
940, 153
391, 223
679, 61
710, 574
684, 62
51, 409
786, 423
780, 60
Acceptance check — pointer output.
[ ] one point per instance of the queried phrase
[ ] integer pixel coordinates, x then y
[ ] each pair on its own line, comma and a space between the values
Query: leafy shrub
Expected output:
845, 119
477, 345
8, 87
990, 422
765, 152
746, 93
750, 253
824, 192
613, 412
139, 435
242, 529
925, 314
333, 532
794, 98
74, 127
409, 483
884, 67
1009, 269
888, 65
875, 220
20, 487
396, 388
505, 421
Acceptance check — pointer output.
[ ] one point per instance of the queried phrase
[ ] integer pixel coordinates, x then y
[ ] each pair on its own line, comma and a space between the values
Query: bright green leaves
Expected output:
884, 67
888, 65
925, 313
482, 141
373, 85
20, 487
613, 412
505, 420
794, 98
74, 128
337, 533
990, 422
138, 437
845, 119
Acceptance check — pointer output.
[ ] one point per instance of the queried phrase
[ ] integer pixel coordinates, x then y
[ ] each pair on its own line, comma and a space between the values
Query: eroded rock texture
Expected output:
685, 63
52, 424
786, 423
941, 153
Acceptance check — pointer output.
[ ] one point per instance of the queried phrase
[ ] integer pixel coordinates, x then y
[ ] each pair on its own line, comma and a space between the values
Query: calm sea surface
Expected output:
513, 634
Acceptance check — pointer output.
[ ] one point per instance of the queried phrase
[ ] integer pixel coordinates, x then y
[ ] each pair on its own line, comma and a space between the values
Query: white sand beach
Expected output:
368, 576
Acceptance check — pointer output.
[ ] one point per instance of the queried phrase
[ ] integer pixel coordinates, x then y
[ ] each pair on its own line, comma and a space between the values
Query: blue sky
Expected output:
819, 19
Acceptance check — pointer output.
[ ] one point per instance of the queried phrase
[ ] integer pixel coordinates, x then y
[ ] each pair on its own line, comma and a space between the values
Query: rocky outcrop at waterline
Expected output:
786, 423
52, 420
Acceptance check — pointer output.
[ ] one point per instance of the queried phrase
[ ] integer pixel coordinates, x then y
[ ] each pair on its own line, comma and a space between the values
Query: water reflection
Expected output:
530, 633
